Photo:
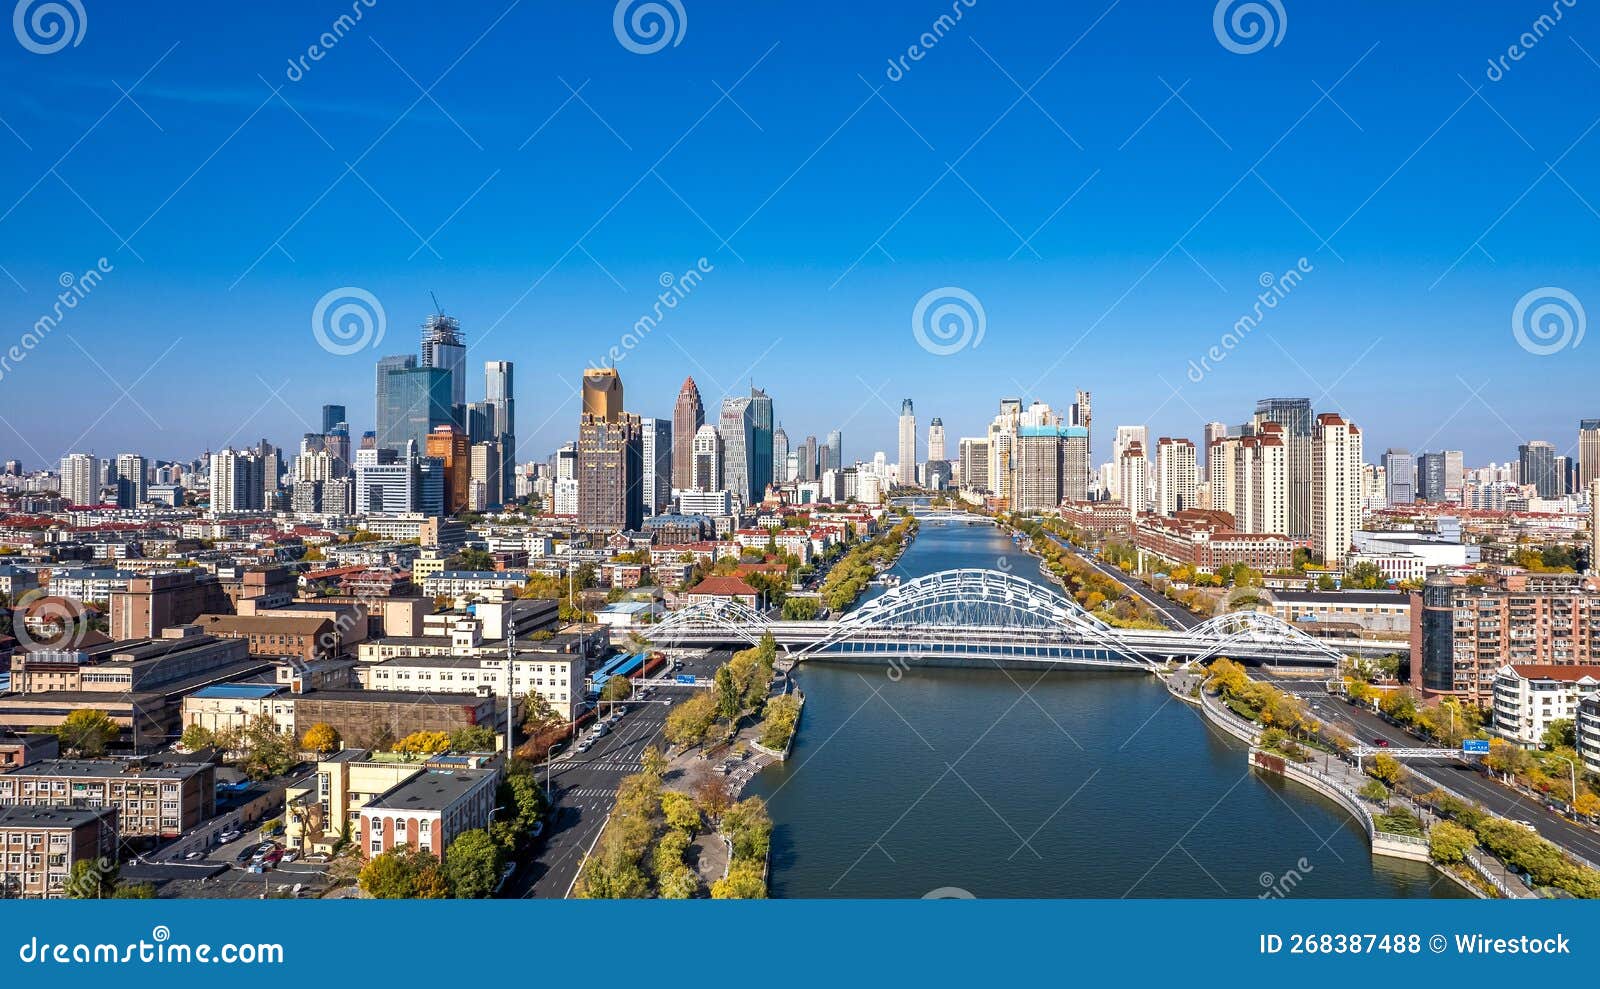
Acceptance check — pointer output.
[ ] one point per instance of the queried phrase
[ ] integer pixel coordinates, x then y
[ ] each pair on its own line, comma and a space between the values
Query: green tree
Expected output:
743, 882
749, 828
653, 762
135, 891
538, 715
782, 713
268, 751
404, 874
473, 738
1560, 734
689, 722
680, 811
677, 884
472, 865
196, 737
1374, 791
92, 879
87, 732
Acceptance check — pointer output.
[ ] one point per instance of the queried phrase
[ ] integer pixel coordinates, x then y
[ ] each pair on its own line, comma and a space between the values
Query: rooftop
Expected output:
432, 789
107, 769
12, 816
238, 691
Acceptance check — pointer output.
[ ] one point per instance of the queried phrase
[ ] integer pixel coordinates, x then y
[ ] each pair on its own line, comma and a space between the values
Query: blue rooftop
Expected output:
239, 691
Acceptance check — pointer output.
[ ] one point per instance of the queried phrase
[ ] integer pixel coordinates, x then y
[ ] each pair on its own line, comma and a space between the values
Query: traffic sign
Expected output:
1475, 746
685, 678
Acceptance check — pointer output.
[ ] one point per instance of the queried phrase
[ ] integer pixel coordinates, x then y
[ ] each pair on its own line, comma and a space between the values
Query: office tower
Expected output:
1177, 474
974, 454
236, 481
332, 415
936, 440
737, 426
1536, 466
907, 476
760, 454
499, 392
484, 483
337, 443
791, 470
1430, 477
1213, 431
476, 422
1400, 477
688, 415
452, 448
656, 459
415, 401
808, 460
1335, 487
780, 455
1294, 414
705, 460
386, 366
1588, 451
836, 447
442, 348
131, 472
1563, 473
79, 479
1131, 480
610, 456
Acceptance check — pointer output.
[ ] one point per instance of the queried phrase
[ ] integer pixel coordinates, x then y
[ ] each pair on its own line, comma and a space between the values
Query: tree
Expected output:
473, 738
1587, 805
471, 559
713, 796
403, 874
1561, 734
422, 743
781, 715
680, 811
320, 738
677, 884
617, 688
92, 879
1386, 769
743, 882
538, 716
472, 865
268, 751
520, 793
197, 737
87, 732
1448, 842
689, 722
749, 829
135, 891
653, 762
1374, 791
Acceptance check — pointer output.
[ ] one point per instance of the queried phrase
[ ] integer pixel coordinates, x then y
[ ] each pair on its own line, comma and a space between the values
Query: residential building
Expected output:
1176, 475
39, 845
151, 800
1336, 487
1294, 414
1131, 479
1528, 699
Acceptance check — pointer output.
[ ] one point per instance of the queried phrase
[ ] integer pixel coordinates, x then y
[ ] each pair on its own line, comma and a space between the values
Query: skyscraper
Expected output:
236, 481
656, 459
1335, 487
1431, 477
1213, 431
936, 440
387, 365
705, 467
907, 475
453, 449
1176, 475
780, 455
1249, 479
1295, 416
688, 415
499, 393
1400, 477
332, 415
808, 460
760, 444
131, 469
415, 400
1537, 466
737, 426
1132, 479
1125, 437
836, 445
442, 347
610, 457
974, 451
1588, 454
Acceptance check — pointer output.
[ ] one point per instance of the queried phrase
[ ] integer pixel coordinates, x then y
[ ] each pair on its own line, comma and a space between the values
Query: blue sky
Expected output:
1111, 230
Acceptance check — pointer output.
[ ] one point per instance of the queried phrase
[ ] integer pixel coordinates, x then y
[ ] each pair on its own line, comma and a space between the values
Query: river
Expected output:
1013, 783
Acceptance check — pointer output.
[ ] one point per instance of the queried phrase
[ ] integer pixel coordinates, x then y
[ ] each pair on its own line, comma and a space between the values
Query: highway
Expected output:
1175, 616
1456, 775
583, 787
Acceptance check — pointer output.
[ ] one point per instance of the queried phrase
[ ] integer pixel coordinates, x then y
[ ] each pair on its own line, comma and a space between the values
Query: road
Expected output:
584, 787
1455, 774
1173, 615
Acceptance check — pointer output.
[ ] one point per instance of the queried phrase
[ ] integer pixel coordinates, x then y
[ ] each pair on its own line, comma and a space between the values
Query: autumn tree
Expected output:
320, 738
87, 732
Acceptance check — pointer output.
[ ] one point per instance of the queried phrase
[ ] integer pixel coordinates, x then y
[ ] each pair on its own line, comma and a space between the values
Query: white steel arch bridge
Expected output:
991, 616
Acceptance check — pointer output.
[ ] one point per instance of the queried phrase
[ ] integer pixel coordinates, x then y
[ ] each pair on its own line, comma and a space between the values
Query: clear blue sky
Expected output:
1425, 212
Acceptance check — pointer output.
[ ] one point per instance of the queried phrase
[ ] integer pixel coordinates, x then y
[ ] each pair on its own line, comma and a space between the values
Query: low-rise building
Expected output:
1368, 611
1529, 699
39, 845
1587, 730
151, 800
723, 589
428, 811
225, 707
378, 718
323, 809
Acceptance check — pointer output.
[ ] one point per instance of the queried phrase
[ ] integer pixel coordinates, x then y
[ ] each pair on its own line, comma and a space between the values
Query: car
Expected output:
585, 745
289, 856
262, 851
196, 854
232, 834
273, 858
621, 710
1526, 824
600, 731
505, 876
1381, 743
537, 829
273, 831
245, 856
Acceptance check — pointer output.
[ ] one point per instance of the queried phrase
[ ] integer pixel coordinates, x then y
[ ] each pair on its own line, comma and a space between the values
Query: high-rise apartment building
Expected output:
974, 466
1588, 451
1249, 479
688, 415
655, 436
131, 476
1335, 487
1294, 414
1120, 441
1213, 431
80, 479
907, 470
936, 449
705, 466
236, 481
1132, 481
1177, 474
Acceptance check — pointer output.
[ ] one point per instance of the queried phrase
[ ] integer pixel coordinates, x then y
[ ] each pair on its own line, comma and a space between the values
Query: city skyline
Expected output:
1089, 240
